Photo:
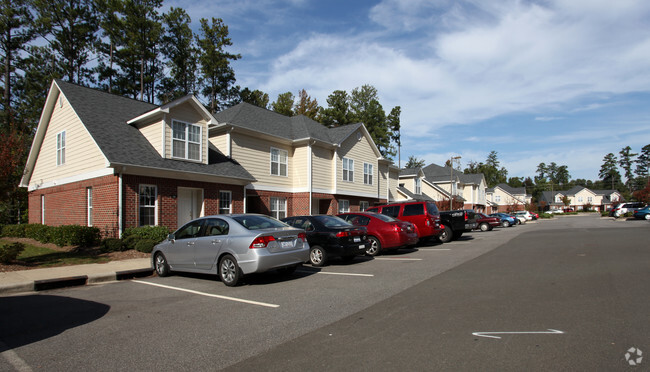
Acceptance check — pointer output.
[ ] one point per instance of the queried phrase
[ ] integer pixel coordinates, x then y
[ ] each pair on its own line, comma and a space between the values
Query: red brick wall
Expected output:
67, 204
168, 195
259, 201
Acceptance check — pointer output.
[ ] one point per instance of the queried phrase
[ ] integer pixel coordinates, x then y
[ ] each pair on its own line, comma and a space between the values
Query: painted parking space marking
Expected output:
491, 334
398, 258
434, 249
208, 294
333, 273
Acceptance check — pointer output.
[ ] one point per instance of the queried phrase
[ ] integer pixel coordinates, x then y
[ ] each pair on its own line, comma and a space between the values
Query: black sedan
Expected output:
330, 236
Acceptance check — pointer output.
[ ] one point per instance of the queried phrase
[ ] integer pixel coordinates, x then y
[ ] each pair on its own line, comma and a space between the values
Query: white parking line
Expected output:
434, 249
330, 273
398, 258
208, 294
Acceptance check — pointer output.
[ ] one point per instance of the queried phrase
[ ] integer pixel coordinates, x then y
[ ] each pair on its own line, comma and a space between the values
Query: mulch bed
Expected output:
92, 251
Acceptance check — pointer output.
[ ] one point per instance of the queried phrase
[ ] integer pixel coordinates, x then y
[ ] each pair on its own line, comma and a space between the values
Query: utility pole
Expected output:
451, 181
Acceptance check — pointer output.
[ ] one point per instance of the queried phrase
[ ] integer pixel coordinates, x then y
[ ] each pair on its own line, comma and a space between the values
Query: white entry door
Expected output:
190, 204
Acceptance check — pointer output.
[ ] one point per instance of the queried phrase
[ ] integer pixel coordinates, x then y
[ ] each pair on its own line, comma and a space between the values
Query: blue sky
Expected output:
536, 81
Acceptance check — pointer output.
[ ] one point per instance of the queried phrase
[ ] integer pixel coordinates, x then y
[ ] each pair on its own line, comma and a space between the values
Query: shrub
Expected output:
155, 233
81, 236
9, 252
38, 232
14, 231
112, 245
546, 215
604, 214
130, 242
145, 245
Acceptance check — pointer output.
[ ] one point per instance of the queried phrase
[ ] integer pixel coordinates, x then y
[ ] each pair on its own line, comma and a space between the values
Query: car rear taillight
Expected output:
397, 228
261, 242
466, 216
302, 236
342, 234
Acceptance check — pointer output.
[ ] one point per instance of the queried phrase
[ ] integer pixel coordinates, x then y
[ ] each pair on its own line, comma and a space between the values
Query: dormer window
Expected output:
186, 141
418, 186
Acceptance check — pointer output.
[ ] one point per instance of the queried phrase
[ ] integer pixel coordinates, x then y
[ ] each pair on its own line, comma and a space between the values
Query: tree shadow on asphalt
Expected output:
32, 318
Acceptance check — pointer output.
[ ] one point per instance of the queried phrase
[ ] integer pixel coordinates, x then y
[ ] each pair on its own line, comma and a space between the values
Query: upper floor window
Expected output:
497, 198
186, 141
367, 173
590, 199
580, 199
418, 186
279, 160
60, 148
348, 169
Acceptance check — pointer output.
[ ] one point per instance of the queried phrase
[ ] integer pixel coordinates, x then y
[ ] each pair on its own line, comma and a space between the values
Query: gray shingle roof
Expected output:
413, 196
261, 120
434, 172
409, 171
105, 116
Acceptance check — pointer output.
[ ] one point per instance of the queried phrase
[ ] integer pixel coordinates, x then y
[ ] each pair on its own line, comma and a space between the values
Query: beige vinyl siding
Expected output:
187, 114
432, 192
220, 143
300, 167
322, 168
394, 180
81, 153
153, 133
383, 181
361, 152
255, 156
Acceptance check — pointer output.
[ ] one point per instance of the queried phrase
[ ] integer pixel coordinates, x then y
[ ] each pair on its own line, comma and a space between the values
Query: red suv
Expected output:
423, 214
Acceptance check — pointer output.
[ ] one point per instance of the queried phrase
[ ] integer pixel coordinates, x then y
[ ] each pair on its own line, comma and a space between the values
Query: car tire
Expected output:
484, 227
447, 235
375, 247
647, 216
161, 265
317, 256
505, 223
229, 271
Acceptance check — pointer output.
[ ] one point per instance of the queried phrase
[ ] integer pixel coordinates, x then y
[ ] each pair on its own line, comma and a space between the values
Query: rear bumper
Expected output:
263, 260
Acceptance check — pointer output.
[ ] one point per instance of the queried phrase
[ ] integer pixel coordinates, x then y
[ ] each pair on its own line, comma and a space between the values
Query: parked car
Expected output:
534, 215
384, 232
424, 215
622, 208
331, 236
506, 219
527, 215
643, 213
231, 245
487, 223
518, 218
455, 223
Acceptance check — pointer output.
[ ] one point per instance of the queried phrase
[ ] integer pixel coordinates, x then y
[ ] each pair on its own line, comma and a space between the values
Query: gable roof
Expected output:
105, 116
410, 195
437, 173
292, 128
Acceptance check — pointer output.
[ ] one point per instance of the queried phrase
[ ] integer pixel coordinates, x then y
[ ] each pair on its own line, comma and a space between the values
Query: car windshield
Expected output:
256, 222
332, 221
384, 217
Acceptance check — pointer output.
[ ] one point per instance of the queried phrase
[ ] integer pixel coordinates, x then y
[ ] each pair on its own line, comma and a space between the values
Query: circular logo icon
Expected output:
634, 356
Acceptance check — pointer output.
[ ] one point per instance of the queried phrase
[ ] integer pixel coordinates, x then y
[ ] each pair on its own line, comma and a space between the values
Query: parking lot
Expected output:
425, 308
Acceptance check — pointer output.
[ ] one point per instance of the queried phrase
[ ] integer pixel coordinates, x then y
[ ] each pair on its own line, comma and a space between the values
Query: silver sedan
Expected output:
231, 246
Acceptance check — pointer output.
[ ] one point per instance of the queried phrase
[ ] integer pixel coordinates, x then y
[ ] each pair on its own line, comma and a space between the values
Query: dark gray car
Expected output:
231, 246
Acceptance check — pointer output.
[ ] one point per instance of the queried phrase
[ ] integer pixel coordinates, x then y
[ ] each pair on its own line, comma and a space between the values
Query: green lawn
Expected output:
44, 257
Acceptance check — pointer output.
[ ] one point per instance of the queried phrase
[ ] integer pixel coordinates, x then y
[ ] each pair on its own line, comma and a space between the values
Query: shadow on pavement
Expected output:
32, 318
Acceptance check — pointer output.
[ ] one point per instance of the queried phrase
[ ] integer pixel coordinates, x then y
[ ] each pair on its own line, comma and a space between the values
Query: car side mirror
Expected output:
171, 237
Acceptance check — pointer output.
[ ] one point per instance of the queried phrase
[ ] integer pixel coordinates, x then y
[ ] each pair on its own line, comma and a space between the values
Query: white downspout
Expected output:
119, 205
245, 199
309, 174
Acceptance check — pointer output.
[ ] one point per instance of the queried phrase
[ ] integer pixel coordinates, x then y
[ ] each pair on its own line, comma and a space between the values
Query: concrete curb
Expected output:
73, 281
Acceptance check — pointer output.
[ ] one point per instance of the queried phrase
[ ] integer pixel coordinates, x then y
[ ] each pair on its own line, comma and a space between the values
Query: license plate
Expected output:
362, 246
286, 244
357, 239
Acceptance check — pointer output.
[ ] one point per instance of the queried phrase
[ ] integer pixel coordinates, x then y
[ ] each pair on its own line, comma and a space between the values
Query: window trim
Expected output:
275, 201
89, 206
349, 169
155, 206
279, 162
368, 173
60, 147
229, 193
342, 203
187, 141
417, 187
361, 205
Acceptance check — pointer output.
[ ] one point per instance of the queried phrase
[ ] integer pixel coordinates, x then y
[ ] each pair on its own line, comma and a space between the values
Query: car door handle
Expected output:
190, 243
215, 241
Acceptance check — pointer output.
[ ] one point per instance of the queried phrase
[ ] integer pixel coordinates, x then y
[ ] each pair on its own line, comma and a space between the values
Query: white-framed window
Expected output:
225, 202
279, 161
497, 198
367, 173
590, 199
418, 186
580, 199
89, 205
348, 170
42, 209
344, 206
148, 203
278, 207
60, 148
558, 199
363, 205
186, 140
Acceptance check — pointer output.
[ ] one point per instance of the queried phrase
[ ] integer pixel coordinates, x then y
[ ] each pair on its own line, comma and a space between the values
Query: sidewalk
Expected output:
64, 276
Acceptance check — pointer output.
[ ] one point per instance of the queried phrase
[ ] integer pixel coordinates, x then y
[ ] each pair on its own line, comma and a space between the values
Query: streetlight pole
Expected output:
451, 181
